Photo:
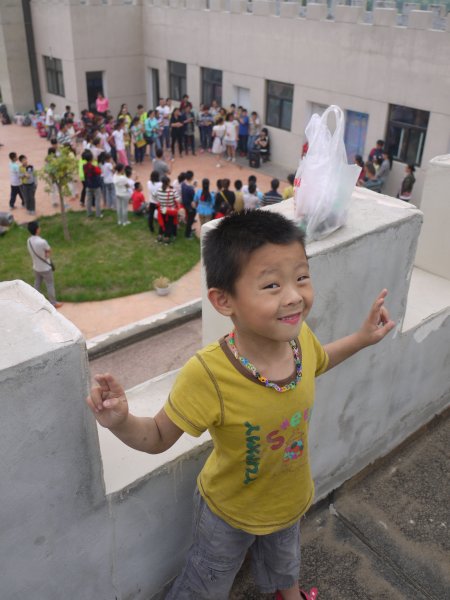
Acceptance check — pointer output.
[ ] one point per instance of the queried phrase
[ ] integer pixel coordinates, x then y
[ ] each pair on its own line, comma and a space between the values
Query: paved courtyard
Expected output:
95, 318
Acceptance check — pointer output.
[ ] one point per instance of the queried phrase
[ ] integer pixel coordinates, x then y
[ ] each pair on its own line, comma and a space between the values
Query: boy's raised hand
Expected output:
377, 325
108, 401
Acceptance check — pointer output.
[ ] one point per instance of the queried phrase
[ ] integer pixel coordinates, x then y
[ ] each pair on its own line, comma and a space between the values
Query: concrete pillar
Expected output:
196, 4
263, 8
53, 509
216, 5
238, 6
289, 10
433, 251
348, 14
316, 12
385, 17
420, 19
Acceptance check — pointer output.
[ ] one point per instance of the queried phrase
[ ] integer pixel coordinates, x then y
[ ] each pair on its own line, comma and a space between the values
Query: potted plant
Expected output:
161, 285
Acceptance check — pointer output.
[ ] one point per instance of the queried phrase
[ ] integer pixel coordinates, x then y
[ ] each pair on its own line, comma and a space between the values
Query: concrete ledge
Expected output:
130, 334
238, 6
420, 19
385, 17
289, 10
263, 8
316, 12
348, 14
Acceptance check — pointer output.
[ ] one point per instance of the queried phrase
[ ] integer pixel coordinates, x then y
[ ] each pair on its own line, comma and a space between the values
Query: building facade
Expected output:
281, 60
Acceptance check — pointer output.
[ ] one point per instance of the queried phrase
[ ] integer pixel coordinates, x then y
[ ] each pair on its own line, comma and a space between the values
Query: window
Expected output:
211, 86
279, 101
54, 75
406, 132
177, 80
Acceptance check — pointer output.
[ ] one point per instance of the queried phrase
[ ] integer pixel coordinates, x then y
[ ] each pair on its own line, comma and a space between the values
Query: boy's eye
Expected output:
271, 286
303, 277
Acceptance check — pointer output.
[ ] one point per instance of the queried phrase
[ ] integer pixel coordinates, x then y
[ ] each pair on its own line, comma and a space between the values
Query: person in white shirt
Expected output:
109, 190
123, 193
50, 121
231, 136
153, 185
40, 253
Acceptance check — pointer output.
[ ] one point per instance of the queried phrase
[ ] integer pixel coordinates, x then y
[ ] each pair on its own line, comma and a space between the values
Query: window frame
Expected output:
177, 81
283, 104
208, 79
400, 148
54, 76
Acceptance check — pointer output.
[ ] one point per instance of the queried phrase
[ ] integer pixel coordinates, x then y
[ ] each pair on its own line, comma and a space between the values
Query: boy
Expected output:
138, 200
93, 182
254, 391
28, 180
14, 177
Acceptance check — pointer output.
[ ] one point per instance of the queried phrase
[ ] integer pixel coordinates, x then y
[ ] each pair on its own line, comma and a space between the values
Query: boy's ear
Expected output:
221, 301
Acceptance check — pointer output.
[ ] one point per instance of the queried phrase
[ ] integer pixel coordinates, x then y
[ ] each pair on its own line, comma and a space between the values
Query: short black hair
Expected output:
159, 152
181, 177
238, 184
227, 247
291, 178
189, 175
275, 184
12, 156
33, 227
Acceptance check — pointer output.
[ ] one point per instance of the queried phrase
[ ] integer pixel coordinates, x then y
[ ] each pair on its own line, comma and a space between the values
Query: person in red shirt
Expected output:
138, 200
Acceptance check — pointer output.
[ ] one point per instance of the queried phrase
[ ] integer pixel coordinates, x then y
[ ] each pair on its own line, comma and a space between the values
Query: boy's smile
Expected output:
273, 294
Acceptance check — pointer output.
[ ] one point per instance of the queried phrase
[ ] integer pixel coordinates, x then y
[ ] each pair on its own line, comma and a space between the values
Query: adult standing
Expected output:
244, 123
230, 137
167, 211
254, 129
50, 123
204, 200
205, 124
101, 104
152, 132
407, 184
189, 129
93, 182
15, 181
40, 253
187, 199
218, 135
176, 131
385, 167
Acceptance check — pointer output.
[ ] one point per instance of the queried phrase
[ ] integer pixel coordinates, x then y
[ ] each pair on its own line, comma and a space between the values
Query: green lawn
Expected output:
102, 260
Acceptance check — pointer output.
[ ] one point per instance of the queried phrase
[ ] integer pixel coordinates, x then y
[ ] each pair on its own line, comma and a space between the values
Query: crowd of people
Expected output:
375, 172
107, 147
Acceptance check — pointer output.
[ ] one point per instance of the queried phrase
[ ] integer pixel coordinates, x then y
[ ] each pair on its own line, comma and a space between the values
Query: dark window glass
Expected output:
177, 80
211, 86
406, 133
279, 100
54, 76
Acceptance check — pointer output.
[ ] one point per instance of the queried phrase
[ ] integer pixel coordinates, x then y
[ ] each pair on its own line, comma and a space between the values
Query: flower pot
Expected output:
162, 291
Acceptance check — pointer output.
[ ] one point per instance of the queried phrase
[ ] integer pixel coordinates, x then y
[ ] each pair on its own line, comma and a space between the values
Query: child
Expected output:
122, 189
254, 391
28, 184
93, 183
138, 200
109, 190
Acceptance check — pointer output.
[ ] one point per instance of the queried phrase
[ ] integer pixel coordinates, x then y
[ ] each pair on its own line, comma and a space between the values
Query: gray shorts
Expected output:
218, 551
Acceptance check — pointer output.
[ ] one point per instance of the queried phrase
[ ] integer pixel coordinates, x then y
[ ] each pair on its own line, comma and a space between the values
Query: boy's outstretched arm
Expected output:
373, 330
109, 404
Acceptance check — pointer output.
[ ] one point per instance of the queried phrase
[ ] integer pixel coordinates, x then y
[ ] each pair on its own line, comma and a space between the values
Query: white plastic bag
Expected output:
324, 181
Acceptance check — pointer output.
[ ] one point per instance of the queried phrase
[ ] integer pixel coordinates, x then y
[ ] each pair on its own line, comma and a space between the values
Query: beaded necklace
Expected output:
248, 365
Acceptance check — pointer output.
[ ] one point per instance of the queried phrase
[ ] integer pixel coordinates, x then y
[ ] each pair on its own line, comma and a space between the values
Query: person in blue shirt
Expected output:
187, 199
243, 132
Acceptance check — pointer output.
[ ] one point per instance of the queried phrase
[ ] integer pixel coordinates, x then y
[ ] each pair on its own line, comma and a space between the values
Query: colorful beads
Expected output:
246, 363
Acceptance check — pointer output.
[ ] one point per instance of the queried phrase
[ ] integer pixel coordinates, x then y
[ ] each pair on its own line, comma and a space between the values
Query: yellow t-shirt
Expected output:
258, 476
288, 192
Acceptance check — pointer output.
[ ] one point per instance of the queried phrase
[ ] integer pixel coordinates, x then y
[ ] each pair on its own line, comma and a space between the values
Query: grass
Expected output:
102, 260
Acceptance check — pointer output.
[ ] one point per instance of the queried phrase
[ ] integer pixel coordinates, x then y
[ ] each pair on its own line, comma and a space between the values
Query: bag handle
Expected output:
39, 257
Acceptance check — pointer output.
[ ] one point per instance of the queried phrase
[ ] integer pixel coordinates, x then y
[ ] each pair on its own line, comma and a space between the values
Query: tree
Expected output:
59, 170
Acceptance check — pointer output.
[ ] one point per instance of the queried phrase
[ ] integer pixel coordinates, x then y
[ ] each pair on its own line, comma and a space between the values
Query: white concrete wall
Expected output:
92, 37
15, 76
433, 252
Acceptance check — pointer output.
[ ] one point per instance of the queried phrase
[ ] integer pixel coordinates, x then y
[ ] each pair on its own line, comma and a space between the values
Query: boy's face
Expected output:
274, 294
